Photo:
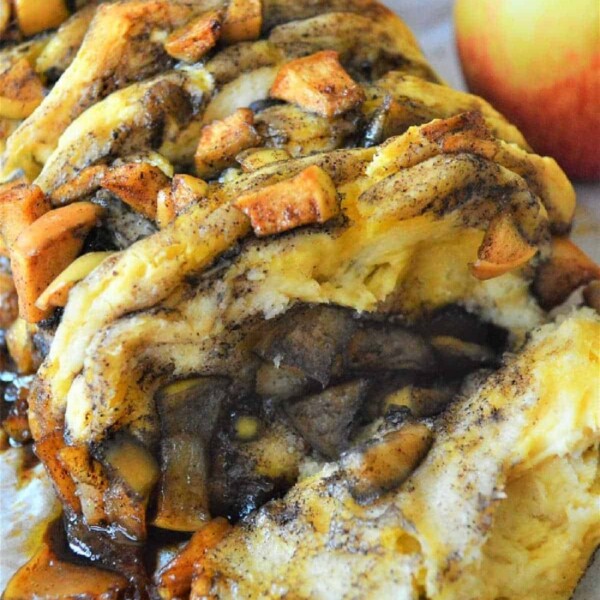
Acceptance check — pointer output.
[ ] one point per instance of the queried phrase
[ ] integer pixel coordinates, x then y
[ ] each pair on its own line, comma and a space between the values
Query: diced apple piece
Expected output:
19, 342
305, 346
391, 348
126, 509
184, 190
133, 464
385, 463
156, 159
327, 419
567, 269
189, 412
136, 184
85, 183
221, 141
20, 205
422, 402
34, 17
90, 480
309, 197
192, 41
174, 580
187, 189
503, 249
255, 158
57, 293
47, 576
47, 450
280, 382
21, 90
132, 472
318, 83
45, 248
242, 21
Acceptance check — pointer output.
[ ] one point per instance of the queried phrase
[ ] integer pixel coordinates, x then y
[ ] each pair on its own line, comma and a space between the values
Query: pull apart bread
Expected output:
281, 290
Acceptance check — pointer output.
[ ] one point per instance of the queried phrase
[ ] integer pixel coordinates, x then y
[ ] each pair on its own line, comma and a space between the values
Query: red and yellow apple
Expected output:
538, 62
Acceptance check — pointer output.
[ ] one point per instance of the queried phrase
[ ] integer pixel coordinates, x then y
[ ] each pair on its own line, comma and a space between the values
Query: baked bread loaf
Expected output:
264, 252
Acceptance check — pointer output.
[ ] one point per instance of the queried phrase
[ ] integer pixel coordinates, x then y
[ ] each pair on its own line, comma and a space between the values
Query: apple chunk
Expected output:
567, 269
20, 205
85, 183
318, 83
136, 184
192, 41
33, 17
47, 575
242, 21
173, 200
48, 449
503, 249
21, 90
45, 248
221, 141
383, 464
309, 197
174, 580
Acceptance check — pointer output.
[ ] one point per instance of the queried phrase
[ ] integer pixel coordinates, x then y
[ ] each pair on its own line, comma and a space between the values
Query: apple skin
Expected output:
538, 62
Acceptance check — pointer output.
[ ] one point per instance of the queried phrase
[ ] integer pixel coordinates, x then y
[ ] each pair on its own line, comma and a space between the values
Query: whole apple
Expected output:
538, 62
